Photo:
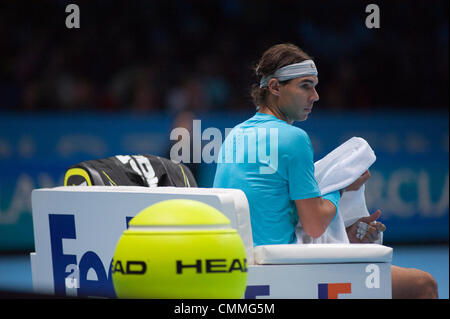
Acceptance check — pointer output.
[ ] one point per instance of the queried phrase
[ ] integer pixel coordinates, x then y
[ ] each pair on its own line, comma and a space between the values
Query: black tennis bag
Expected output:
130, 170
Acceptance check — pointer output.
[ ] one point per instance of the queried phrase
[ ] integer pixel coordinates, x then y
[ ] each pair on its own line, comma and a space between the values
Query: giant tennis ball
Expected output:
179, 249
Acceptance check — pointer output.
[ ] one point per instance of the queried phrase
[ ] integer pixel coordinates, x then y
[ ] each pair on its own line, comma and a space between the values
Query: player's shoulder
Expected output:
294, 135
298, 132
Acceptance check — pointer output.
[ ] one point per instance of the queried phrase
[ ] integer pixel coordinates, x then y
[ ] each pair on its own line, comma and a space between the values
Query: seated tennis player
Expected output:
272, 161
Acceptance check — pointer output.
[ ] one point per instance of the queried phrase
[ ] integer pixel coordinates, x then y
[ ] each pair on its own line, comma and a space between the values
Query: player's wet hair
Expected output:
273, 59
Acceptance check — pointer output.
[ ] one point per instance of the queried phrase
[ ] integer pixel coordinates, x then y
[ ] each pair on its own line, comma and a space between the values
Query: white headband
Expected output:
291, 71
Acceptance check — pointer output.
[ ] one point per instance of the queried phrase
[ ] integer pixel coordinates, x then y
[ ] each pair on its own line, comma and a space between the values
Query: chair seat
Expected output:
322, 253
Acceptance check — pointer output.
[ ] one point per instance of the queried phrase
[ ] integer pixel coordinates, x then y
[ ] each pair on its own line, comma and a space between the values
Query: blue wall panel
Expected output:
409, 179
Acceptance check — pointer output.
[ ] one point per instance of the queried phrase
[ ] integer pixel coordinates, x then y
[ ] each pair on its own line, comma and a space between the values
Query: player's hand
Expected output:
359, 182
366, 229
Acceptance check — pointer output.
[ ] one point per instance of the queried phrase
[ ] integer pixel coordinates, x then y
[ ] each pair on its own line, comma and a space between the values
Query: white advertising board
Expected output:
76, 230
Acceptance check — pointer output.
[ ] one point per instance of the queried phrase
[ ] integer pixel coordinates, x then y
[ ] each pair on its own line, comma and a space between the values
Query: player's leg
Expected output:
411, 283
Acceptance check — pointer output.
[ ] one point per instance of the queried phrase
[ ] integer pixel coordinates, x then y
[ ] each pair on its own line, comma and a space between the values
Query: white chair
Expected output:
76, 229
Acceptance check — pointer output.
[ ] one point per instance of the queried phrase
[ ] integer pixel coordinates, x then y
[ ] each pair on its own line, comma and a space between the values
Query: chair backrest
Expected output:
130, 170
108, 207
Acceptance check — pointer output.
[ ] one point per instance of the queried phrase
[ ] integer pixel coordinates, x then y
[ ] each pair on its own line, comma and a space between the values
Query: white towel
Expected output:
335, 171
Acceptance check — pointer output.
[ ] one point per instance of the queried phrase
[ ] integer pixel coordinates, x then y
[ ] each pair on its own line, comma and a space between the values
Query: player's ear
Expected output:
274, 86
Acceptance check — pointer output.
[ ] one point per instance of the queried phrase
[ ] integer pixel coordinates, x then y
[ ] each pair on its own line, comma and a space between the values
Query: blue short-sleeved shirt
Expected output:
273, 163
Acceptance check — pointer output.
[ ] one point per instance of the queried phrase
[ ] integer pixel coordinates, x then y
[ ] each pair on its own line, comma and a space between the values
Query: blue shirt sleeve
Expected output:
300, 166
333, 197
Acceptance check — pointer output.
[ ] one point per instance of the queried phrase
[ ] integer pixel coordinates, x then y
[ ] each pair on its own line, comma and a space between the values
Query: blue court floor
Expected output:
15, 270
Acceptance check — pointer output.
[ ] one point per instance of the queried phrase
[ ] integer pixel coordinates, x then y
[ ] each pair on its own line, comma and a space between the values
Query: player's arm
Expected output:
315, 214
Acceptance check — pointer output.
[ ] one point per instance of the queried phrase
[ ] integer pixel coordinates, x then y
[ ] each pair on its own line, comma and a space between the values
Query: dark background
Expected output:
165, 56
